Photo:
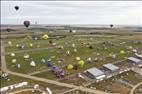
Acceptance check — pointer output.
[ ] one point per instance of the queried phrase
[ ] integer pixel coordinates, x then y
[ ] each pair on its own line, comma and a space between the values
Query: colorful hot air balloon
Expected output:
26, 23
16, 8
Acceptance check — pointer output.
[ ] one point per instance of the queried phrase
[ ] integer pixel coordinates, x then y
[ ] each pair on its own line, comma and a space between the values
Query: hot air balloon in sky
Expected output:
26, 23
111, 25
16, 8
8, 30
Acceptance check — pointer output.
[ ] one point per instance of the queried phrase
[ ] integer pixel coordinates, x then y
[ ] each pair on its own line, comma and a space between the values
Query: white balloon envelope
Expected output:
75, 50
14, 60
68, 52
36, 86
73, 45
9, 42
31, 45
12, 54
32, 64
26, 56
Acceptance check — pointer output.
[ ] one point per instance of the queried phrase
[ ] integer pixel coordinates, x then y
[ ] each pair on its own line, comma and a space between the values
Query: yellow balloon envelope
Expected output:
69, 67
45, 36
81, 63
122, 52
110, 55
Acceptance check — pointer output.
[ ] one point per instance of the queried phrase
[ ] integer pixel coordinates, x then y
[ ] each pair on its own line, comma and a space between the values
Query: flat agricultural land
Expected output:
114, 44
104, 45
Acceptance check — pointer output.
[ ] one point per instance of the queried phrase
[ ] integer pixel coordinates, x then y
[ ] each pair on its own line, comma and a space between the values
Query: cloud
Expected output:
73, 12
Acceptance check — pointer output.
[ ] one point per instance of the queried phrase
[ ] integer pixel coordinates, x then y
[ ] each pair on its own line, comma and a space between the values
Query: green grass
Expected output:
47, 74
83, 52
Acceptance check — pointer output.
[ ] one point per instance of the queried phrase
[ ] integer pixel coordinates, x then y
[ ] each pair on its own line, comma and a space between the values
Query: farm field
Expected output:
102, 48
75, 47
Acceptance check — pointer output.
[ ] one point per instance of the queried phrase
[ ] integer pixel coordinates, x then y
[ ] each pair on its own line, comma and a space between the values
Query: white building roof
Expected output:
95, 72
140, 56
111, 67
134, 59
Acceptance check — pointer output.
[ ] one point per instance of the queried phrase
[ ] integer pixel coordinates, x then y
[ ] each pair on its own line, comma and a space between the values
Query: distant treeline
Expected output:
111, 33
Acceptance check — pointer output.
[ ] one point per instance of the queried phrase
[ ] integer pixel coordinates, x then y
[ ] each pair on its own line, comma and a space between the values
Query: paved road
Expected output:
34, 49
37, 72
132, 91
125, 83
27, 50
57, 83
3, 61
4, 68
19, 91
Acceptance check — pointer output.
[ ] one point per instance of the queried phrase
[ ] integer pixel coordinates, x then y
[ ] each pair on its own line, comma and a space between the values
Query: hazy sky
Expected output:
72, 12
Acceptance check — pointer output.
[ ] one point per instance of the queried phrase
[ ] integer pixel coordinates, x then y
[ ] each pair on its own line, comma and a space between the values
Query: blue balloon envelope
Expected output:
49, 64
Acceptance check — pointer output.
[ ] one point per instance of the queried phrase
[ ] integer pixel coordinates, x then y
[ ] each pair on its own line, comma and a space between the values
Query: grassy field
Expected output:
116, 43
